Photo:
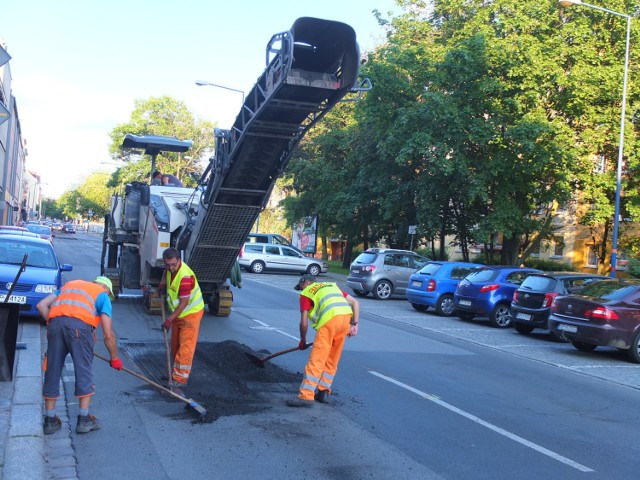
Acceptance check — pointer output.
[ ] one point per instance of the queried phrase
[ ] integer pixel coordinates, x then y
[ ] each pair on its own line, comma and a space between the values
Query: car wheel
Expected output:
382, 290
634, 352
584, 347
500, 316
313, 270
257, 267
444, 305
466, 316
420, 308
361, 293
522, 328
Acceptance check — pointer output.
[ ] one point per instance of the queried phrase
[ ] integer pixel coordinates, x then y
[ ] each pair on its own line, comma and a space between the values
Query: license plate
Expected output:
416, 283
14, 299
466, 303
523, 316
567, 328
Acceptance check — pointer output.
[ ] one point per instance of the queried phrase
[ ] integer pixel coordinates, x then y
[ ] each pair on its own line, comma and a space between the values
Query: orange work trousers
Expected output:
325, 355
184, 337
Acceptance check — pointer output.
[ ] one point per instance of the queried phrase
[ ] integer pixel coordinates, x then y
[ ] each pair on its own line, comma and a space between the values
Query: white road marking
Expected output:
488, 425
266, 326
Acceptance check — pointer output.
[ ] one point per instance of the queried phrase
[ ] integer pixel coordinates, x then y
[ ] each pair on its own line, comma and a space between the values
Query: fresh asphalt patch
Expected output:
223, 379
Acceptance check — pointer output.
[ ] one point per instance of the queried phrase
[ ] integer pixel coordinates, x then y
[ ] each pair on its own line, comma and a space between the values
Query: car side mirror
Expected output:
66, 267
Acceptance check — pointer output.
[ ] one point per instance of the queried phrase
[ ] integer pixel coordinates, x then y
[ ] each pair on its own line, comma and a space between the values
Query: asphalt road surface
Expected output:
416, 396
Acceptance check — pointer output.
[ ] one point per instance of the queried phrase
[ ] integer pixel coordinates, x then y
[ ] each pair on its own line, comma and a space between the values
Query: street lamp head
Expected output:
568, 3
201, 83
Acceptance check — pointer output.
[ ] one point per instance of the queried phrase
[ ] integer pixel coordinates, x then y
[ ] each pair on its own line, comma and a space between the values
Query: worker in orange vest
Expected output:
187, 308
72, 314
334, 315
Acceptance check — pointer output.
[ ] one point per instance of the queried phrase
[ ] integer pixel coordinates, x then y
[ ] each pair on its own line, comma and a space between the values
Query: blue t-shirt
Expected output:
103, 304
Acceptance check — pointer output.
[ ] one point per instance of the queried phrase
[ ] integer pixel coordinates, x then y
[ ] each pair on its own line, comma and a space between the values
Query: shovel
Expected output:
191, 404
259, 362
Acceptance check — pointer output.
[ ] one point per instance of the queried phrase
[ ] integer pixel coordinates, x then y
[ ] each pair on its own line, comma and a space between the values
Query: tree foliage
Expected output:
89, 200
484, 119
163, 116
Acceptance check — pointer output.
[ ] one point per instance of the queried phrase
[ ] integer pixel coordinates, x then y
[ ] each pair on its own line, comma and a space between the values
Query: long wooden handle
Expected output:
149, 381
166, 344
277, 354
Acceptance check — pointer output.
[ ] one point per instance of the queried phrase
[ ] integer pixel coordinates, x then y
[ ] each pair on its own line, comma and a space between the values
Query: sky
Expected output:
77, 67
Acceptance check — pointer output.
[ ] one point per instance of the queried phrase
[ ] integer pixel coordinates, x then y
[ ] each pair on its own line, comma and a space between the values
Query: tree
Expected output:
88, 200
163, 116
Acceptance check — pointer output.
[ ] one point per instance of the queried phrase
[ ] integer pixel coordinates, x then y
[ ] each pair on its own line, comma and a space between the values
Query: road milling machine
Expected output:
309, 69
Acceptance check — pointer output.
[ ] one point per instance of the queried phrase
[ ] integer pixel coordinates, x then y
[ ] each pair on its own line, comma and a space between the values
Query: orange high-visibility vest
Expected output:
77, 299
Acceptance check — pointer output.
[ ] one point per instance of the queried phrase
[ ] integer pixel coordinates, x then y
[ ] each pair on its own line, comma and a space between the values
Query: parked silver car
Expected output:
257, 257
383, 271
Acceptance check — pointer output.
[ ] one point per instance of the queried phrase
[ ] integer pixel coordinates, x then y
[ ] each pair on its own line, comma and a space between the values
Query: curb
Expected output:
24, 457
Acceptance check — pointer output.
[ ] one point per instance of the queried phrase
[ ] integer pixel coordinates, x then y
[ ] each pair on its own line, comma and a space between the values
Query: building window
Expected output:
592, 258
558, 246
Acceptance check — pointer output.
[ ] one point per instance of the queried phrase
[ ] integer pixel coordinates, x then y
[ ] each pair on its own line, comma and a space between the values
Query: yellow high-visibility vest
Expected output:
328, 301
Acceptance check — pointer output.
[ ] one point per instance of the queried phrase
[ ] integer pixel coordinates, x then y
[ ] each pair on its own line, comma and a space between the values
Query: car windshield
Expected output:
366, 257
39, 229
12, 252
482, 275
430, 269
609, 290
538, 283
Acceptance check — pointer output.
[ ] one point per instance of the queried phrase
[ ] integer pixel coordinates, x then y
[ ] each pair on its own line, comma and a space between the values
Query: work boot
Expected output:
298, 402
87, 424
322, 396
52, 425
177, 387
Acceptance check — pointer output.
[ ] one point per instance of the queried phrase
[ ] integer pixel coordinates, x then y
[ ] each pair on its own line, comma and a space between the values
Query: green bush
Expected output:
481, 258
633, 268
549, 265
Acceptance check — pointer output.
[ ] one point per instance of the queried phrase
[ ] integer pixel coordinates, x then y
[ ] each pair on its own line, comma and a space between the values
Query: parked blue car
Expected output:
488, 291
42, 274
434, 285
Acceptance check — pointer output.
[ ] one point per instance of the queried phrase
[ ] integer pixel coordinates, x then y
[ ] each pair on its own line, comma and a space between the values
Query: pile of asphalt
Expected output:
224, 379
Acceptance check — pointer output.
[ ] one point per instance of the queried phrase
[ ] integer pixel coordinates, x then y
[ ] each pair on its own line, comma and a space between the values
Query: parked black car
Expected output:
532, 300
605, 313
69, 228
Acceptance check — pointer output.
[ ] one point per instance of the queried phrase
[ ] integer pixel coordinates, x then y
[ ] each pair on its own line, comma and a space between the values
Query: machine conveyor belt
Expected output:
315, 65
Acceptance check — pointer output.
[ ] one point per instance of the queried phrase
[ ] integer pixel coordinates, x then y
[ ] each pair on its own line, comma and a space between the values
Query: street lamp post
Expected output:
203, 83
616, 220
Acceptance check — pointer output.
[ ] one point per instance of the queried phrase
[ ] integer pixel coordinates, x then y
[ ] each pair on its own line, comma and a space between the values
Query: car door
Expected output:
293, 260
272, 257
399, 269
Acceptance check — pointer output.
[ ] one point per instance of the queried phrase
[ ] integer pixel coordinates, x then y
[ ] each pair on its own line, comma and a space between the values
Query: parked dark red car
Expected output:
605, 313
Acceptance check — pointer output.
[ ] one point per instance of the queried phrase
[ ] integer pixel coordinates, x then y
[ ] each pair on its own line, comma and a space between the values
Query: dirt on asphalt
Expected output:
223, 379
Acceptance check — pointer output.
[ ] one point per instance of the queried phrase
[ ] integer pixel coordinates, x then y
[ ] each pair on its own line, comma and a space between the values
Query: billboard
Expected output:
305, 234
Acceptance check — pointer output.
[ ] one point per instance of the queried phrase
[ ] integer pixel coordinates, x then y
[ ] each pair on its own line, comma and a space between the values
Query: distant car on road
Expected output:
68, 228
258, 257
42, 275
435, 283
24, 233
487, 292
383, 272
603, 314
43, 231
15, 228
532, 300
